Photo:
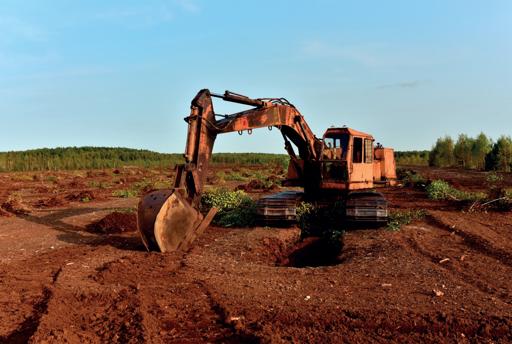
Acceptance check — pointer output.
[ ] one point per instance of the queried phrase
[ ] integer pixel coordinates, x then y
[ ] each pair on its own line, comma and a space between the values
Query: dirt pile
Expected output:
15, 206
76, 183
115, 222
4, 213
82, 196
49, 202
258, 185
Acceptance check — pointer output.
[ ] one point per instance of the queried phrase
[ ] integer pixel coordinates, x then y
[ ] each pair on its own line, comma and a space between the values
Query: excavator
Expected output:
345, 164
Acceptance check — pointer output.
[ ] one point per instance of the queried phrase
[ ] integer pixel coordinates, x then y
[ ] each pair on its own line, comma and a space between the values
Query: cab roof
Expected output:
346, 130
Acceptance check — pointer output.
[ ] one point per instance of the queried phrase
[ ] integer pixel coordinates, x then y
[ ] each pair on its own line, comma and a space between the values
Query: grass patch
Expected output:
411, 178
441, 190
52, 179
235, 208
99, 185
125, 193
399, 218
234, 176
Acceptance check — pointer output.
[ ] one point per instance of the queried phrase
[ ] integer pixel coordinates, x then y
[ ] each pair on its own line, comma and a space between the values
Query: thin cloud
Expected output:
188, 5
362, 54
149, 13
13, 28
403, 84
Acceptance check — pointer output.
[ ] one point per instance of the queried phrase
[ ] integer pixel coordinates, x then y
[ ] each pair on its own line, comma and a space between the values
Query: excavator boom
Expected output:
169, 220
344, 165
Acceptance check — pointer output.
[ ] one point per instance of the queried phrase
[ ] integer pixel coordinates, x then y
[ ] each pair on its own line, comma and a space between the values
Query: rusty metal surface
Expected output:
147, 211
170, 219
175, 222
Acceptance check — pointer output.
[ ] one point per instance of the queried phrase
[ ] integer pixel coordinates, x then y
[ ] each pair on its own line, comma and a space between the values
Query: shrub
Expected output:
324, 222
441, 190
234, 208
125, 193
234, 176
411, 178
399, 218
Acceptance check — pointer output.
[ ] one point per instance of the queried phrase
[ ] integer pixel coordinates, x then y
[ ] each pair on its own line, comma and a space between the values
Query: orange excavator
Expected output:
344, 164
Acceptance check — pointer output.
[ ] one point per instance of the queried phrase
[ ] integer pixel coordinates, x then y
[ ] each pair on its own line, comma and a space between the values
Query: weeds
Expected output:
399, 218
52, 179
498, 197
411, 178
99, 185
125, 193
441, 190
324, 222
234, 176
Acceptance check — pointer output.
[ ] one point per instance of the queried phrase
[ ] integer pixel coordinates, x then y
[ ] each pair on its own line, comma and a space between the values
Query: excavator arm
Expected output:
169, 219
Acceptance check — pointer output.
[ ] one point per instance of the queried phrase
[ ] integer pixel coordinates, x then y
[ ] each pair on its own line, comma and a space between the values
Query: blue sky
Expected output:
122, 73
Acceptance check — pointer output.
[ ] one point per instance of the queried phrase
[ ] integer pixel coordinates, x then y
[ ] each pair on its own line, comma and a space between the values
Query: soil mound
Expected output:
81, 196
115, 222
4, 213
257, 185
49, 202
15, 206
76, 183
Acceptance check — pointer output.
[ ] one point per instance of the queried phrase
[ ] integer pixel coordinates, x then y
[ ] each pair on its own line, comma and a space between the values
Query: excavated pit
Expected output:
312, 252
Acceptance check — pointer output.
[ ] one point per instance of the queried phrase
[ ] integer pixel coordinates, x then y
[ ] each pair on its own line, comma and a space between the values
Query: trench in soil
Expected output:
311, 252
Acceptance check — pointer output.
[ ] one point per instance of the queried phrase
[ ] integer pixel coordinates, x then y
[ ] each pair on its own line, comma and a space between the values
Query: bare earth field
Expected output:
65, 278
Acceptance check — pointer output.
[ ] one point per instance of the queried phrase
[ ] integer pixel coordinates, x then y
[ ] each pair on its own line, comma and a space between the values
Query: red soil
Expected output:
445, 278
115, 222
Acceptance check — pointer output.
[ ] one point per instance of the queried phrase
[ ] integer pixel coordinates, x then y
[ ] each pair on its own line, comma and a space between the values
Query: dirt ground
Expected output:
69, 276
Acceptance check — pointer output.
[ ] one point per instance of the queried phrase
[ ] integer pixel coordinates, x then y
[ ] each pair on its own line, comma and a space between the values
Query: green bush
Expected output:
234, 176
125, 193
324, 222
441, 190
410, 178
234, 208
400, 218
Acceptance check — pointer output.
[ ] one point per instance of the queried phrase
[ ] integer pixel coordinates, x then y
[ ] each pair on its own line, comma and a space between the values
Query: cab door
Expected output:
361, 171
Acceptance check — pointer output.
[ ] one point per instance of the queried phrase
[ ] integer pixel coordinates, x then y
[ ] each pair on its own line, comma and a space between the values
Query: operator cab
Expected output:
346, 159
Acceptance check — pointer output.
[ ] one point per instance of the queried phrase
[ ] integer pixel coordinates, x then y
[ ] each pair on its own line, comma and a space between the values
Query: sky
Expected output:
123, 73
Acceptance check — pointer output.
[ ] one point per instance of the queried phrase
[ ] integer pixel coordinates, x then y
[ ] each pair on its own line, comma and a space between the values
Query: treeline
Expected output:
76, 158
475, 153
417, 158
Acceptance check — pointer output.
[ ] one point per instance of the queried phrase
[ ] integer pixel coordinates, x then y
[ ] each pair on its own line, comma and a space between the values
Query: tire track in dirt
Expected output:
173, 307
475, 241
239, 333
437, 247
38, 282
83, 310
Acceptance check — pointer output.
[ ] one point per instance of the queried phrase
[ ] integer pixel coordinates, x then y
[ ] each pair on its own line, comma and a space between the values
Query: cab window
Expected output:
368, 151
357, 151
335, 148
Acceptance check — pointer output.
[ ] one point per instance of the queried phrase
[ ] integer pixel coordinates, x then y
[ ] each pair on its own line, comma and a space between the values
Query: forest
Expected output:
478, 152
77, 158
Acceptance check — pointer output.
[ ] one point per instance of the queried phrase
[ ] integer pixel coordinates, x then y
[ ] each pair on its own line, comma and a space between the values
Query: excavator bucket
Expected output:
167, 222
